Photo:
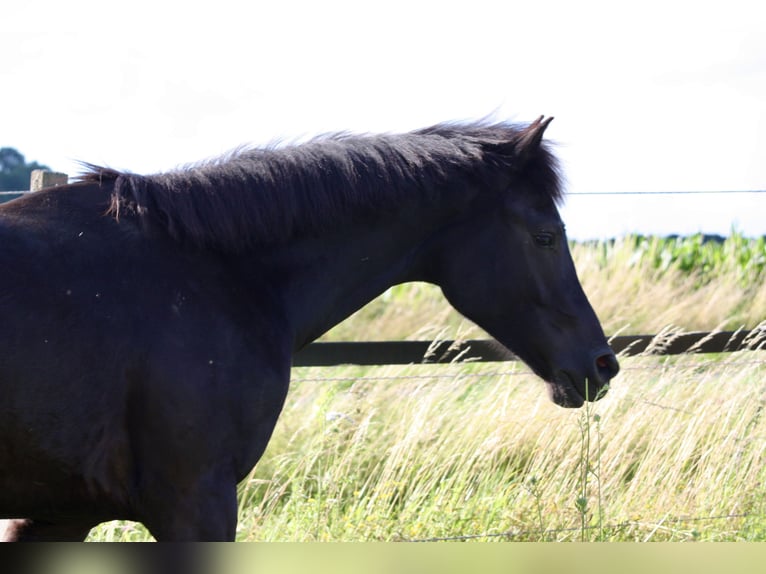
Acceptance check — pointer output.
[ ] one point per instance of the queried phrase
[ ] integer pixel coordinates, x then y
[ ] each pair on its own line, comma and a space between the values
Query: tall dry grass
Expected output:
674, 452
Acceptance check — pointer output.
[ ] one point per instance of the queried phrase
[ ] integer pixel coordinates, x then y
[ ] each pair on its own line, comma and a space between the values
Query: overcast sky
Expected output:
650, 96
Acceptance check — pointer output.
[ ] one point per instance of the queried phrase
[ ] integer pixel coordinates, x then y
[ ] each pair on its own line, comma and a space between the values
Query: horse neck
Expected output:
325, 279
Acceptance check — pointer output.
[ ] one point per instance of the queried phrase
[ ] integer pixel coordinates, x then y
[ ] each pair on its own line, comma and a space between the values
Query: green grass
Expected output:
676, 451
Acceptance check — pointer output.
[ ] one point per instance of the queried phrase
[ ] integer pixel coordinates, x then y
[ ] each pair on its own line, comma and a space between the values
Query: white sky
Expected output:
650, 96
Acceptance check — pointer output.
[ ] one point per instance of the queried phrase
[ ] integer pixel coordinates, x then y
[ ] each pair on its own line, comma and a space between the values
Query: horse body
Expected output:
145, 355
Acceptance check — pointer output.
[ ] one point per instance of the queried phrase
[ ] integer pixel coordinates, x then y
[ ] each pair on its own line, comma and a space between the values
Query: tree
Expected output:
15, 171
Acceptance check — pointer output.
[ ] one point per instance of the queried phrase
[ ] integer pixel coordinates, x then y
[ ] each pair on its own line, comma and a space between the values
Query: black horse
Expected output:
147, 323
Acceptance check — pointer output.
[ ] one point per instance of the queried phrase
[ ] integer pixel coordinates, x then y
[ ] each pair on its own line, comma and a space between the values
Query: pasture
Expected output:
675, 451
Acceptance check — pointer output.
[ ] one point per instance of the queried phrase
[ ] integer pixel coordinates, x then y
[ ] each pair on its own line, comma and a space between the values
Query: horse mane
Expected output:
268, 195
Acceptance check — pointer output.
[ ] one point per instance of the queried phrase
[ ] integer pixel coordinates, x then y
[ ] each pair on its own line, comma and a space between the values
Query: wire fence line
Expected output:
520, 372
573, 193
670, 192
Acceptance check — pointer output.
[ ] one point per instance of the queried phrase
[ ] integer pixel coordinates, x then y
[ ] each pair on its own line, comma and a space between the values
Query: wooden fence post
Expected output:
41, 178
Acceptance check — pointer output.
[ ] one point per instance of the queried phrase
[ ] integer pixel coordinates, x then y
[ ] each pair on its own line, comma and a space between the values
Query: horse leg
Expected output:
28, 530
206, 512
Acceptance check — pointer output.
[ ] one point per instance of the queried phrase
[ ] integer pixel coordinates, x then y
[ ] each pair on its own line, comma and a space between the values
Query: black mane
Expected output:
268, 195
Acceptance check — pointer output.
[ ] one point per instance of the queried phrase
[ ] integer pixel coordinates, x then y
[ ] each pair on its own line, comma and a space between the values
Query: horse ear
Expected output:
528, 141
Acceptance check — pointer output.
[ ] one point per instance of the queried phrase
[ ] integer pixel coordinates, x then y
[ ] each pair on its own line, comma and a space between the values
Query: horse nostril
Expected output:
607, 366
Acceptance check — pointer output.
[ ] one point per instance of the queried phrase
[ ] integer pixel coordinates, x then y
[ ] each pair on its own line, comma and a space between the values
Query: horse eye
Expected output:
544, 239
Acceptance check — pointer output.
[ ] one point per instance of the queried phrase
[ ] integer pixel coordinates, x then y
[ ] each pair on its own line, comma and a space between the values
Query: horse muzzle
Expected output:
569, 388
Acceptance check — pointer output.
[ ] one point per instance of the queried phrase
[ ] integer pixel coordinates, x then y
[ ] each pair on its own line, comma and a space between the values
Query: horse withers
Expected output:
147, 323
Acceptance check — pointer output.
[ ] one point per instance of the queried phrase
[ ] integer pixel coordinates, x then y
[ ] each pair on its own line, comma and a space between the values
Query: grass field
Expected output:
675, 451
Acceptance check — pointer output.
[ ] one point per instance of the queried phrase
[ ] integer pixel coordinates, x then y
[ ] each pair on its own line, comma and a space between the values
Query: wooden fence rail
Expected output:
326, 354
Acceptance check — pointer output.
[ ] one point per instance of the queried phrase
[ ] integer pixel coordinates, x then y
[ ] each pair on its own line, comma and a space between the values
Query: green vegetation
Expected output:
675, 451
645, 284
706, 260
